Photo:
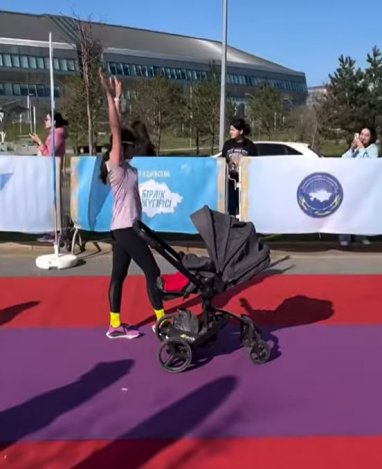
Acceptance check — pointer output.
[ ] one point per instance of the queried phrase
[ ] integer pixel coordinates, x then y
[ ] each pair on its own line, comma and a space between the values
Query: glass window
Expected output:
2, 92
71, 65
1, 60
24, 61
40, 63
32, 90
8, 89
133, 70
56, 64
119, 69
56, 92
24, 89
64, 64
150, 71
126, 69
7, 60
138, 70
32, 62
46, 62
274, 149
16, 89
41, 91
112, 68
189, 75
15, 61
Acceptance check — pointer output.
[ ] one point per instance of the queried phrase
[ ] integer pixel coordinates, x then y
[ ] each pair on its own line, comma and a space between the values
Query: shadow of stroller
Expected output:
140, 444
296, 311
8, 314
35, 414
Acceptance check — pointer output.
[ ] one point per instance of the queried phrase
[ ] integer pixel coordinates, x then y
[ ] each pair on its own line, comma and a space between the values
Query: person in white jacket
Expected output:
363, 146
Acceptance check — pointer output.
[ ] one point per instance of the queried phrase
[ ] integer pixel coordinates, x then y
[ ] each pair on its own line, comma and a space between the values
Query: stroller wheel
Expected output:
162, 327
260, 353
175, 355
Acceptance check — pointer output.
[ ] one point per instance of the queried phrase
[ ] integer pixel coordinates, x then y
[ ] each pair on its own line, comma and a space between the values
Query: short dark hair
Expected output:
240, 124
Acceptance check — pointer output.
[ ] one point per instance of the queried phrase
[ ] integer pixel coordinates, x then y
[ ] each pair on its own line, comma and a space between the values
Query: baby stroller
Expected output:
235, 256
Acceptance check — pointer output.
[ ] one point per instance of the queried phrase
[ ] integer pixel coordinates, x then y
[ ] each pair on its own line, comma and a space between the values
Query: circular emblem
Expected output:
319, 195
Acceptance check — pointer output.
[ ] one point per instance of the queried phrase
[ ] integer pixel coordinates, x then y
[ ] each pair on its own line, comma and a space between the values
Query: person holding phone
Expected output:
363, 146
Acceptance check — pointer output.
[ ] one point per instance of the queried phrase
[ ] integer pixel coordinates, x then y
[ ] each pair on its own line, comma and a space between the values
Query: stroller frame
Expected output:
179, 337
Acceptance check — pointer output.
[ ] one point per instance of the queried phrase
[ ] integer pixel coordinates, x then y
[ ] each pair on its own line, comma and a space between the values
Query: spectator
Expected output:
233, 150
45, 149
363, 146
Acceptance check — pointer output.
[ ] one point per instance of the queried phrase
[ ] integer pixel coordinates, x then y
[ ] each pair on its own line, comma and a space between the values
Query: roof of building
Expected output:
130, 40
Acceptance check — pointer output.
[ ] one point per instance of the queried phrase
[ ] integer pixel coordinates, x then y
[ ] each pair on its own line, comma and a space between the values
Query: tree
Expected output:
82, 97
373, 91
345, 104
205, 107
73, 108
266, 109
157, 102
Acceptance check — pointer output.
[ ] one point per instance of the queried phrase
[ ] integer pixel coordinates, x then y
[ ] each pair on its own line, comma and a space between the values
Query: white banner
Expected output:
293, 194
26, 194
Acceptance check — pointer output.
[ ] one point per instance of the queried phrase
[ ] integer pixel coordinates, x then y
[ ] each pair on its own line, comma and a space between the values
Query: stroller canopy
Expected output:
232, 245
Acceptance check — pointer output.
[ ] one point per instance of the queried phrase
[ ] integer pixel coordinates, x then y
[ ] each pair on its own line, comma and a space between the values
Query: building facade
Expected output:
128, 53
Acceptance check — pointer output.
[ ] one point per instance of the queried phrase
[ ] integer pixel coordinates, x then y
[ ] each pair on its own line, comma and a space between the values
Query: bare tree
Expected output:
82, 98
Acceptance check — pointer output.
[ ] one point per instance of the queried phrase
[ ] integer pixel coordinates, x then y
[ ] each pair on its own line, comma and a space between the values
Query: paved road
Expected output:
330, 262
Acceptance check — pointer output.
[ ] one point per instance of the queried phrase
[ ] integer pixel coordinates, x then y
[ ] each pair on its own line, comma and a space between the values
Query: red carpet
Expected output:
289, 300
270, 453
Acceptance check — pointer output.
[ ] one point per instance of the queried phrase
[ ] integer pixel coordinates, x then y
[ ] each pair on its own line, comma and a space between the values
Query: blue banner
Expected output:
26, 197
171, 188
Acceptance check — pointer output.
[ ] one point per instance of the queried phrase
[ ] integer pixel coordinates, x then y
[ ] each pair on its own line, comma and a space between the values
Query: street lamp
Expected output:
223, 76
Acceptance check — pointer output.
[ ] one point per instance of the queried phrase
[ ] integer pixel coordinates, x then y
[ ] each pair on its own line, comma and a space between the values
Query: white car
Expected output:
270, 148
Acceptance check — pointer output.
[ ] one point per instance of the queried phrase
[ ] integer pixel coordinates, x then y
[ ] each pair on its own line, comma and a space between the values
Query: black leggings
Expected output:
127, 245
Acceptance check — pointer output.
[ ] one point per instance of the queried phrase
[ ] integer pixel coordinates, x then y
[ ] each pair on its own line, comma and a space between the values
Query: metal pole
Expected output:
53, 143
223, 76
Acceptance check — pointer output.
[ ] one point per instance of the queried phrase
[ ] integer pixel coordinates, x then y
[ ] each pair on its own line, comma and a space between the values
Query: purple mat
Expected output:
75, 384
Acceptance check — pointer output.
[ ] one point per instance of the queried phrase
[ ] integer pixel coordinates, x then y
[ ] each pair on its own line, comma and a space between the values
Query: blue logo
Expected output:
319, 195
4, 178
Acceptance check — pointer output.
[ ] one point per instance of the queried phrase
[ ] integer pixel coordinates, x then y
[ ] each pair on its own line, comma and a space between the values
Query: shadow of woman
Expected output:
140, 444
10, 313
35, 414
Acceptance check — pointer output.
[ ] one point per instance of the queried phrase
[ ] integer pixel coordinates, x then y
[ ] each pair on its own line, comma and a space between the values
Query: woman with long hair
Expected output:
127, 208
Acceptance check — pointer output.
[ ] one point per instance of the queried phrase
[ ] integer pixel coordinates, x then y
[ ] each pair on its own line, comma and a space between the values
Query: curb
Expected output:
297, 247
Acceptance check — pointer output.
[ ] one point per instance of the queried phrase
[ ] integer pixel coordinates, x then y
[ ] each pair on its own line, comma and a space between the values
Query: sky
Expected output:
305, 35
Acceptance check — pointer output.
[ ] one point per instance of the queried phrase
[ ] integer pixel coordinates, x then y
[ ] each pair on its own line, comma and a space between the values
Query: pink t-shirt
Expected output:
60, 134
127, 206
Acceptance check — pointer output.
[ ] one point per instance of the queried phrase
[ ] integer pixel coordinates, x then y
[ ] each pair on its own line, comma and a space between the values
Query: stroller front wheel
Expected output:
162, 327
260, 353
175, 355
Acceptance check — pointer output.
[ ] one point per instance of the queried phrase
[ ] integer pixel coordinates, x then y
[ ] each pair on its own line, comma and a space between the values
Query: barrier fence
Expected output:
280, 194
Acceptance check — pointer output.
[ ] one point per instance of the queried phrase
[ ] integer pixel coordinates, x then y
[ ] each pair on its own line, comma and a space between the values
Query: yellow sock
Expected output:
159, 313
115, 320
